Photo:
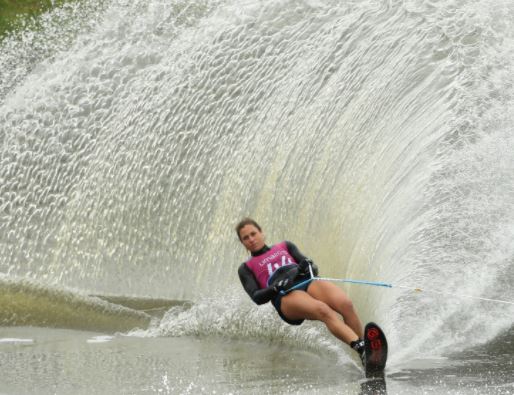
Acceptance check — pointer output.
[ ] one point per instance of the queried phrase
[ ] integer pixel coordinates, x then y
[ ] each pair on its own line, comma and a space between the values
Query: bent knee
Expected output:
347, 305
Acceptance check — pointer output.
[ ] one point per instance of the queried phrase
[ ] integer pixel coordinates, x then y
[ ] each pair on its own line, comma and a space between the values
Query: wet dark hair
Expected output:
243, 223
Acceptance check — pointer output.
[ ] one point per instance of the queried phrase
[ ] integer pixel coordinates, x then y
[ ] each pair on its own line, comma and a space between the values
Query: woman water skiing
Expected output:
270, 272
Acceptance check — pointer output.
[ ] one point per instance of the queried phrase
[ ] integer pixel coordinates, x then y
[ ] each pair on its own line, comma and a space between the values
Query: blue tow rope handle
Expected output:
342, 280
297, 286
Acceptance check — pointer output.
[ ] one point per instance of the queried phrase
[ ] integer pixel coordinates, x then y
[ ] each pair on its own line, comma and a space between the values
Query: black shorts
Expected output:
278, 301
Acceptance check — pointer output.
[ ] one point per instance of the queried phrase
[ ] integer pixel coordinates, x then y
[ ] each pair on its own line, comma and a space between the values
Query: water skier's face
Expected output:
252, 238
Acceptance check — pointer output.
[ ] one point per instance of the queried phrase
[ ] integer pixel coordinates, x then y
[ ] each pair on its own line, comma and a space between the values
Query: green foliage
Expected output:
14, 12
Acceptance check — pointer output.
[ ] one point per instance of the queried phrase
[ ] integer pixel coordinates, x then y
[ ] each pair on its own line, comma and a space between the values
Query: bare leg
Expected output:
301, 305
338, 301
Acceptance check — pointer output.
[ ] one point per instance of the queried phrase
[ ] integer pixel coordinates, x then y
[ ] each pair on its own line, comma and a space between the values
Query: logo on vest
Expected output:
272, 267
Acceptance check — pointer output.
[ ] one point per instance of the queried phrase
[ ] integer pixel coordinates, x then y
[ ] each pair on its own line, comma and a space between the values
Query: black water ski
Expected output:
375, 345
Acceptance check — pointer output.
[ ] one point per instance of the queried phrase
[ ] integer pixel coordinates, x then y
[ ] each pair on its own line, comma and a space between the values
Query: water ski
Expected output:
375, 345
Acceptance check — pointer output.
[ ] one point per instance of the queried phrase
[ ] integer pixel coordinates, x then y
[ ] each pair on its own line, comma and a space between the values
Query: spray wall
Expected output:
375, 135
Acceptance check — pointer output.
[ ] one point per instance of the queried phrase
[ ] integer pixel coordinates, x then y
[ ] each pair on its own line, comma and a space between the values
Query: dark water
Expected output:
44, 361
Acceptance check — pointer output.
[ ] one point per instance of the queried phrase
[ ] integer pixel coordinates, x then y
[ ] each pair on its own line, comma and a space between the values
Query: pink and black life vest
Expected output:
263, 266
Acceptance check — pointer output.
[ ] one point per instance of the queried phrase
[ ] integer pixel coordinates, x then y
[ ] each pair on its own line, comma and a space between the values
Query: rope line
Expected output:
388, 285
